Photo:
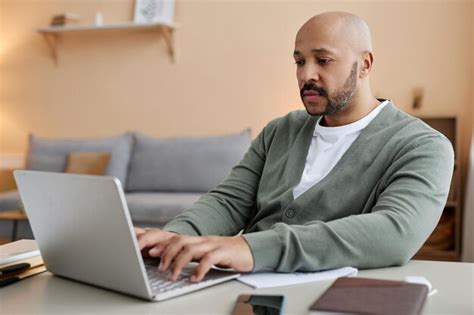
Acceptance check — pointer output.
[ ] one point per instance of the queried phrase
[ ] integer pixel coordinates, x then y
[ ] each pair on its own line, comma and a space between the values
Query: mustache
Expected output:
313, 87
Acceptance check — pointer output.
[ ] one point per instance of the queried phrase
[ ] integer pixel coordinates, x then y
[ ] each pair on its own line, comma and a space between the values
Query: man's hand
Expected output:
178, 250
150, 237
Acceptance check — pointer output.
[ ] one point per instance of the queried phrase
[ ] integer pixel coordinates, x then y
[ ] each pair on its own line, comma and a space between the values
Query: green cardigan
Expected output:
375, 208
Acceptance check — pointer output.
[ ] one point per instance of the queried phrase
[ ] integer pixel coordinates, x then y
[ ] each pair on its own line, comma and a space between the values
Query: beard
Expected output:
338, 100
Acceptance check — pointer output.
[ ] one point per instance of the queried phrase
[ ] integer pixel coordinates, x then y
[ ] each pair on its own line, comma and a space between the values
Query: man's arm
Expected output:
226, 209
406, 212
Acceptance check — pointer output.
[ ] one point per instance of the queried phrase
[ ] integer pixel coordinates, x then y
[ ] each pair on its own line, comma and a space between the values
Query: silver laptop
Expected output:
85, 233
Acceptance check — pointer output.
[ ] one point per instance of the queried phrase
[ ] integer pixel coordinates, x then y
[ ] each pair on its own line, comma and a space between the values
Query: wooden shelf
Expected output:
52, 34
447, 234
452, 203
118, 26
427, 253
4, 241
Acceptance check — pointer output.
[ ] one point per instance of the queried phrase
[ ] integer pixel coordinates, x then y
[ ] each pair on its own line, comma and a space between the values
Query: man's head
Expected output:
333, 55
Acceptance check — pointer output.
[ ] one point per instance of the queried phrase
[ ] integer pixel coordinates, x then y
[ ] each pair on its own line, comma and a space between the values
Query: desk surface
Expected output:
47, 294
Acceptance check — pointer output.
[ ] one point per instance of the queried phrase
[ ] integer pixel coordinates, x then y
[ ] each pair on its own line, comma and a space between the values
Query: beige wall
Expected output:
234, 67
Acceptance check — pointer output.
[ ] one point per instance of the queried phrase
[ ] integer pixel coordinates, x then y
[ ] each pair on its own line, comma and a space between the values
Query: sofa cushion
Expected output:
51, 155
10, 200
184, 164
158, 208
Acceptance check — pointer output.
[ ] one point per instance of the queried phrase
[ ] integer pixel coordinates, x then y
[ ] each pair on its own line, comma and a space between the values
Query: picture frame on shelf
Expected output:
153, 11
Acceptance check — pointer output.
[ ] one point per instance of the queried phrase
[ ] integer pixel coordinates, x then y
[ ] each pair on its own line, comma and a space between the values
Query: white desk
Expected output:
47, 294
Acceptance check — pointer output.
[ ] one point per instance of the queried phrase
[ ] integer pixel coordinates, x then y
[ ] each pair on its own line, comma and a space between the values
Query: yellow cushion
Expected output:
91, 163
7, 181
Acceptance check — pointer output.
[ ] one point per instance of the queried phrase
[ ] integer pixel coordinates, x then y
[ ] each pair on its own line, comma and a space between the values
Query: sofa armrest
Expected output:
7, 181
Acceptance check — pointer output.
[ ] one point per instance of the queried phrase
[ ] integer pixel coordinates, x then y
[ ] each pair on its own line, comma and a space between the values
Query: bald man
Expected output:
351, 181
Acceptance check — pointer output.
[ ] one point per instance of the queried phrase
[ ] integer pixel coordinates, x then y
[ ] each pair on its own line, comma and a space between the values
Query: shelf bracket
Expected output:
52, 41
168, 37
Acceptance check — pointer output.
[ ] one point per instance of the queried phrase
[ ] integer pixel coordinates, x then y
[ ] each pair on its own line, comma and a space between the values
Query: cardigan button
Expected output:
290, 213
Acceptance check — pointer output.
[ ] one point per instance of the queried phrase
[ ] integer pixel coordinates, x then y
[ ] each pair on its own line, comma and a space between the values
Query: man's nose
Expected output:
309, 73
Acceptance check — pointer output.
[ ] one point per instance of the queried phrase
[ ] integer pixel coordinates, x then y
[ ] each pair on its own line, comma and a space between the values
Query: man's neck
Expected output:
352, 112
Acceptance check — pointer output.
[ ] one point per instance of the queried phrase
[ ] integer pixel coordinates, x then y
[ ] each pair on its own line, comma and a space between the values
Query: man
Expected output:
354, 183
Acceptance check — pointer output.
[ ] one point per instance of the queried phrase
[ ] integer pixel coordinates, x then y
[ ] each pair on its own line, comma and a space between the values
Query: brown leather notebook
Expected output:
371, 296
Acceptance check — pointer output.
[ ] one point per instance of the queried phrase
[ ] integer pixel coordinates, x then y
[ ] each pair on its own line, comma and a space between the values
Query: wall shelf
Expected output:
445, 241
52, 34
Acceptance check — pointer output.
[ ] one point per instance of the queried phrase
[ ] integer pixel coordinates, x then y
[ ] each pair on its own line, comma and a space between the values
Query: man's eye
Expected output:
299, 62
323, 61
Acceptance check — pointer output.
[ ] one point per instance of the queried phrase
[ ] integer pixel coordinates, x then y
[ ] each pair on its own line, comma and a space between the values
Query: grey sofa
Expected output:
161, 177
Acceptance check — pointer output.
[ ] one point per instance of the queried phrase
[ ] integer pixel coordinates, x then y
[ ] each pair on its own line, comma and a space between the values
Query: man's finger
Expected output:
189, 253
149, 238
172, 248
156, 250
211, 258
180, 261
139, 231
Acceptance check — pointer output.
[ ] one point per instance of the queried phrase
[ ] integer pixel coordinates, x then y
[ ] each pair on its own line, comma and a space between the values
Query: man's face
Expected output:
326, 71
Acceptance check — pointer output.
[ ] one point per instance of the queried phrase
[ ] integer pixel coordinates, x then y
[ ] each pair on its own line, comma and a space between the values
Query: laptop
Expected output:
84, 232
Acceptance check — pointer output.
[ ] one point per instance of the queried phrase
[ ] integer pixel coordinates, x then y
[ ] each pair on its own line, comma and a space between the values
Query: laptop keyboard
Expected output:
163, 288
159, 283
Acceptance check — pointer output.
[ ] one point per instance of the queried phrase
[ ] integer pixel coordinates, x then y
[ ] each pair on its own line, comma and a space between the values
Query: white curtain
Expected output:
468, 229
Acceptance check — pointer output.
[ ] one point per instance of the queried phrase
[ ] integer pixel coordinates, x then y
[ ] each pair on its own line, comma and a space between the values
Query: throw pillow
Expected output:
51, 154
91, 163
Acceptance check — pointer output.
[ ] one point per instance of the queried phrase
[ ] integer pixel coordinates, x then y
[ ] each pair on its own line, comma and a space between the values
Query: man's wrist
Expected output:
266, 248
247, 246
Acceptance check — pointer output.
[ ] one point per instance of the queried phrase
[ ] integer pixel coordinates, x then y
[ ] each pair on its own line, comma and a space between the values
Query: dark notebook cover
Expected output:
371, 296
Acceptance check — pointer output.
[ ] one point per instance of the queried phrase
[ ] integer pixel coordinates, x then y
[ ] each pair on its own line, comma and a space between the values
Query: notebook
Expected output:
274, 279
371, 296
4, 281
18, 250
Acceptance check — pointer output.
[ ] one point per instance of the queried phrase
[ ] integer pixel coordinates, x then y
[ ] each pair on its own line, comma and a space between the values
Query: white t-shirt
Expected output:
327, 147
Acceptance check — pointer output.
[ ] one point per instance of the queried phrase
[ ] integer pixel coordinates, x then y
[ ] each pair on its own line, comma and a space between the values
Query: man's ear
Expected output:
366, 65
